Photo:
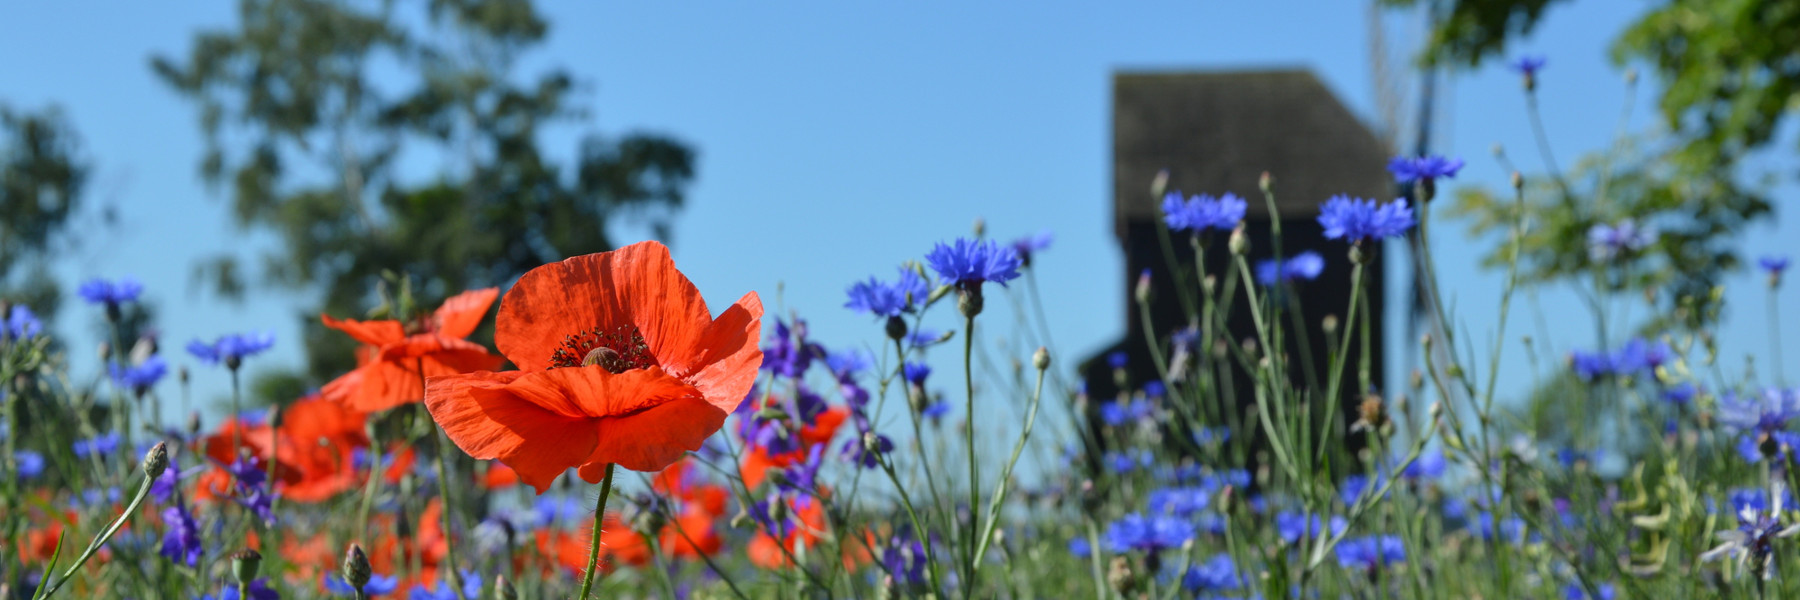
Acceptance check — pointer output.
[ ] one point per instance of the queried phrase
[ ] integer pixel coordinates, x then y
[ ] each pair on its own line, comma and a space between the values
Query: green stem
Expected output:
138, 500
987, 533
454, 577
969, 435
587, 577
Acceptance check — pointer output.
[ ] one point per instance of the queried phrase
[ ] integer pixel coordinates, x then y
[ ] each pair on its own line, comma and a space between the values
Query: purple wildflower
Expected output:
1357, 219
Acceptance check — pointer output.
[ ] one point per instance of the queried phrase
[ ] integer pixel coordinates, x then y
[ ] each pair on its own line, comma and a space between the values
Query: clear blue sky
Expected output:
838, 139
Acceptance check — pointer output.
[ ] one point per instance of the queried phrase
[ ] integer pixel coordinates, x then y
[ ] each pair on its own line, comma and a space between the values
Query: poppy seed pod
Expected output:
245, 564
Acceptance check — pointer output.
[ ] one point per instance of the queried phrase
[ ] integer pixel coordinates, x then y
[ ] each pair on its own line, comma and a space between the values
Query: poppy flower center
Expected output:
619, 349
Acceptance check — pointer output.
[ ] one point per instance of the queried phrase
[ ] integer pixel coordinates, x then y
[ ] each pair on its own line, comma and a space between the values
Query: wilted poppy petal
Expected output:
486, 420
726, 355
461, 314
636, 285
374, 333
652, 439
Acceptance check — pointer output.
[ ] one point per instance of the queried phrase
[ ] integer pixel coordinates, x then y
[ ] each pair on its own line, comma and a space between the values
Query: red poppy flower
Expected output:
621, 363
388, 375
314, 451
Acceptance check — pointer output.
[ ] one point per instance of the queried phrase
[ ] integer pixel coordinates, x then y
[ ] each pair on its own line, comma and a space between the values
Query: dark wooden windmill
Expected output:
1216, 132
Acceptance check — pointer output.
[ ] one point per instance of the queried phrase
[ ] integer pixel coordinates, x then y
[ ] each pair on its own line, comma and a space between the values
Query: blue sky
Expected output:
838, 139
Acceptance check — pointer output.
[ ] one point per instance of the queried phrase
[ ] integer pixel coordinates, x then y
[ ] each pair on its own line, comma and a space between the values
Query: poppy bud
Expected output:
156, 460
356, 569
1240, 240
503, 589
1041, 358
244, 565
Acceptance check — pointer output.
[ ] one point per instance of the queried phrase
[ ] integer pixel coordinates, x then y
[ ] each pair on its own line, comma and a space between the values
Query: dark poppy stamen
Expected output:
618, 349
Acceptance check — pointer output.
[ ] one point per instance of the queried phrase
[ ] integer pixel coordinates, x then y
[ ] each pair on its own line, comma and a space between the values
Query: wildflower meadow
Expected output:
586, 424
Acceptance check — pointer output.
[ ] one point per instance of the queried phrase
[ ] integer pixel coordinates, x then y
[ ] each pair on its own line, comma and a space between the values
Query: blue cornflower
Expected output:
1753, 542
110, 293
1780, 444
1590, 365
1135, 532
20, 324
1512, 529
231, 349
1603, 591
377, 585
1766, 412
164, 487
789, 354
1117, 359
1031, 244
903, 556
181, 536
915, 372
1357, 219
258, 588
471, 588
1640, 356
1217, 574
1356, 485
1368, 553
1305, 266
1079, 548
857, 451
103, 445
1200, 213
253, 494
550, 511
1528, 65
1608, 241
29, 463
969, 263
140, 377
1126, 462
847, 364
1179, 501
1429, 465
1774, 264
1408, 169
1291, 526
935, 410
1115, 414
889, 298
1681, 393
924, 338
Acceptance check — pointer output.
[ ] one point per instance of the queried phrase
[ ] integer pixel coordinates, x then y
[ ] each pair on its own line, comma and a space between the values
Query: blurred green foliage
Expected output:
310, 106
42, 176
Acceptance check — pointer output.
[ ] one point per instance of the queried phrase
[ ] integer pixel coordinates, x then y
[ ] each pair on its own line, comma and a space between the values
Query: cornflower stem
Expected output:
1099, 572
663, 584
918, 438
48, 588
587, 577
707, 558
237, 409
1775, 339
987, 533
969, 436
454, 578
918, 526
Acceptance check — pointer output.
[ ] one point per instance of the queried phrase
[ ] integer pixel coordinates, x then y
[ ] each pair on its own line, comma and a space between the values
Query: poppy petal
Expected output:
592, 391
374, 333
653, 439
636, 285
727, 355
483, 417
461, 314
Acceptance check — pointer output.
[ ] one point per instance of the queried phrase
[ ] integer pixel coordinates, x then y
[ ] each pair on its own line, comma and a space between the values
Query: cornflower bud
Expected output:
1142, 292
1266, 183
356, 569
156, 460
1159, 184
503, 589
1240, 240
1041, 358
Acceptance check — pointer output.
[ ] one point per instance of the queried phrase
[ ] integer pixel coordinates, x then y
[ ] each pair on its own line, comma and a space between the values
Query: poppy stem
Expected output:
587, 577
454, 577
